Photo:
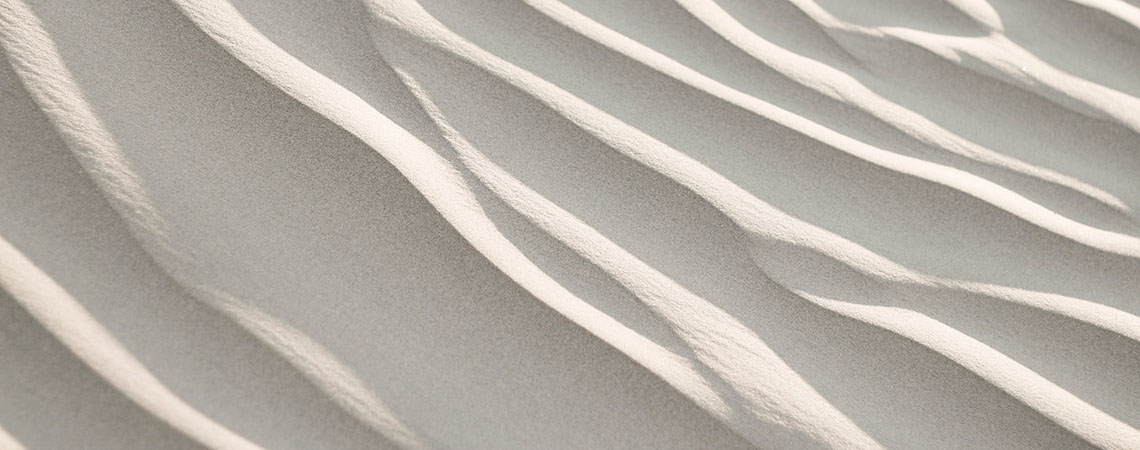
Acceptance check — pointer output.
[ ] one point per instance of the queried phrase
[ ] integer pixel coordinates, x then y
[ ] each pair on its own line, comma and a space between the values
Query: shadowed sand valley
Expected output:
489, 224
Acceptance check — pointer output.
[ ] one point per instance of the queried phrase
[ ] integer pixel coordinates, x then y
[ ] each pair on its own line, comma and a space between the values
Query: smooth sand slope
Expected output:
491, 224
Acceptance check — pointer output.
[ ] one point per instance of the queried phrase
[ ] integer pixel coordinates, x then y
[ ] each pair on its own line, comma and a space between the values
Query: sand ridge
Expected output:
570, 224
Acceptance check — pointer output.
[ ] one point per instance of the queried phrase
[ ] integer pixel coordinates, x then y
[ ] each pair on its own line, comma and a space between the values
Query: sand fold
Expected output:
569, 224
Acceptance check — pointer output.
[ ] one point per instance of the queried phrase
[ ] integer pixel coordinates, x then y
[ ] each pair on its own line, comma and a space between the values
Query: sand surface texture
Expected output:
569, 224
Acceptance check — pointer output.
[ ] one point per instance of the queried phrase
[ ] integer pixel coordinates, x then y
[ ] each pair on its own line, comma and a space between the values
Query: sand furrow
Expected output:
920, 283
842, 87
993, 56
1097, 434
36, 62
663, 64
593, 246
712, 333
73, 326
1061, 407
631, 141
47, 79
454, 201
569, 224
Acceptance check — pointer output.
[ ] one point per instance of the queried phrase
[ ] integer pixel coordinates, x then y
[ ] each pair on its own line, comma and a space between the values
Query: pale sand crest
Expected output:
352, 224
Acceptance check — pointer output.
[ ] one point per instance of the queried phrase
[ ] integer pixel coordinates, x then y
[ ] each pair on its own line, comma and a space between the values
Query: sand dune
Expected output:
569, 224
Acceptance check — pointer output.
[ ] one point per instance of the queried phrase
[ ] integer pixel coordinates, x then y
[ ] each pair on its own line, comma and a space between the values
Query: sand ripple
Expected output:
570, 224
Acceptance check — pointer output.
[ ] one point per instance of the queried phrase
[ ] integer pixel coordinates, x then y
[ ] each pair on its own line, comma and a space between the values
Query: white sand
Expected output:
539, 224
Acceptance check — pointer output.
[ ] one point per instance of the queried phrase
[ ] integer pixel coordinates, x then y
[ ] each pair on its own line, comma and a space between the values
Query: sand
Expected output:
579, 224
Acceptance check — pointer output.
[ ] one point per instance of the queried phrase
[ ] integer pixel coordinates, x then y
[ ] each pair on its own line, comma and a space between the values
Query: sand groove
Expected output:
570, 224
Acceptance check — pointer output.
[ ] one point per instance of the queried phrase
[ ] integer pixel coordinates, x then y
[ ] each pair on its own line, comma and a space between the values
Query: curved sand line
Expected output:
614, 240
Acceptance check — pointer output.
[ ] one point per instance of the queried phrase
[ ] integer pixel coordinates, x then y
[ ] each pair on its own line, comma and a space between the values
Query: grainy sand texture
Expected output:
569, 224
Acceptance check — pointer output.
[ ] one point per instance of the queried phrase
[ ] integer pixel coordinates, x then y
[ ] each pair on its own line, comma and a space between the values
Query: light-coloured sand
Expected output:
575, 224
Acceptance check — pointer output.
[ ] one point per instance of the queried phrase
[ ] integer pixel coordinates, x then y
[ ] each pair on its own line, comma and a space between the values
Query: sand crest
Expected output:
489, 224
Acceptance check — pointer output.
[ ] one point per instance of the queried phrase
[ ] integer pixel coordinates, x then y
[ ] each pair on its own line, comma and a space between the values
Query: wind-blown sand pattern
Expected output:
357, 224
